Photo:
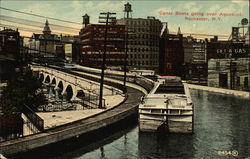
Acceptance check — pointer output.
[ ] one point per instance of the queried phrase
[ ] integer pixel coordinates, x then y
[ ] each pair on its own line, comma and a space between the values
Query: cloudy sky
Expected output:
73, 10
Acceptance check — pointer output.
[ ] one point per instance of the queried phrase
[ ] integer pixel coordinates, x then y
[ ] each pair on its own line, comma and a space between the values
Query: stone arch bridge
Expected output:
74, 87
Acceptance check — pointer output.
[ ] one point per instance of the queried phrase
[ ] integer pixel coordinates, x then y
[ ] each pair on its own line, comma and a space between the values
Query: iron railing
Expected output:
34, 118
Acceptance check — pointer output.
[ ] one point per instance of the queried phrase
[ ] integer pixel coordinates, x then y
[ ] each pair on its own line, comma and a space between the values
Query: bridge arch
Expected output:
80, 94
69, 92
60, 87
47, 79
41, 77
53, 81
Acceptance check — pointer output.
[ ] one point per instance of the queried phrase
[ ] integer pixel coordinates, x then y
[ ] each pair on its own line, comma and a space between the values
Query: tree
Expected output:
24, 88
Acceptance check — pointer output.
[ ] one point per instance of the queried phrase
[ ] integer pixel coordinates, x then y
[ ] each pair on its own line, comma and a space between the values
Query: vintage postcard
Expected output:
89, 79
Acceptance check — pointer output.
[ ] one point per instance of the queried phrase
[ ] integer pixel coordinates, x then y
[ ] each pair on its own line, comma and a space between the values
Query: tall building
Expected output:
143, 42
171, 54
92, 38
195, 60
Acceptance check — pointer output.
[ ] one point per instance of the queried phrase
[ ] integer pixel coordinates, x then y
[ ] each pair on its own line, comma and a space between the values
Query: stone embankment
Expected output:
221, 90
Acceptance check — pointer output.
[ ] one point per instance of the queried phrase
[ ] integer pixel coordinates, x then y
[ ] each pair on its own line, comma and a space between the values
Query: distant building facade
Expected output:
225, 49
92, 45
231, 73
10, 43
171, 54
228, 64
47, 44
195, 60
71, 48
143, 42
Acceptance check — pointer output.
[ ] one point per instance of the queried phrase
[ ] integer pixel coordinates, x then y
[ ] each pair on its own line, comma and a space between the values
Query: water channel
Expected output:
222, 130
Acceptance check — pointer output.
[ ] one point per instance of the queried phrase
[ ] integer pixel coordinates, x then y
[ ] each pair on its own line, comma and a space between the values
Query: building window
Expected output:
246, 82
238, 81
217, 67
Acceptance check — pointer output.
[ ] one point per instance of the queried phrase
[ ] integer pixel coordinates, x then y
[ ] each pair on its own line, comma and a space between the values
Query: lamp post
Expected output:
108, 19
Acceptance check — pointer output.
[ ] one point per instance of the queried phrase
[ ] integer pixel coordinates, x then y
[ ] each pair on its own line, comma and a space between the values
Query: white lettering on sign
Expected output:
229, 51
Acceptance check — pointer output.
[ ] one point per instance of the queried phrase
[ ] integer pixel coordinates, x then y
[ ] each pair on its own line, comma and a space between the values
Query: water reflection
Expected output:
158, 146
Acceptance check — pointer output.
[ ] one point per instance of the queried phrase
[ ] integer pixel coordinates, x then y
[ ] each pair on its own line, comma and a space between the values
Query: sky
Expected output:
74, 10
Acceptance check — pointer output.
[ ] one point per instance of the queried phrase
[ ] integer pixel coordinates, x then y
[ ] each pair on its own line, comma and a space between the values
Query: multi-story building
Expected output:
225, 49
9, 52
195, 60
171, 54
10, 43
47, 44
232, 73
92, 39
143, 42
228, 64
34, 44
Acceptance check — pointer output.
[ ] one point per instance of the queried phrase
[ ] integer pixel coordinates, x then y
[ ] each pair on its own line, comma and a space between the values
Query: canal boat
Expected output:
167, 107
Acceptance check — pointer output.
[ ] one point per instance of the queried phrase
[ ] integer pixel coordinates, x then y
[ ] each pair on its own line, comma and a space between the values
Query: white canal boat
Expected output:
167, 107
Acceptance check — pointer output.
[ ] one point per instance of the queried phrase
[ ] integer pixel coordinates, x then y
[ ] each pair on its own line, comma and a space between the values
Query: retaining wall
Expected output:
221, 90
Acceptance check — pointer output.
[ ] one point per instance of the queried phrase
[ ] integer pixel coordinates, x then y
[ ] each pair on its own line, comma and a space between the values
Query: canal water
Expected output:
222, 130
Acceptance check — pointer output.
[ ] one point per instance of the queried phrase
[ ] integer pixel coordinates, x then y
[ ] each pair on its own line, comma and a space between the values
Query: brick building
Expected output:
171, 54
92, 45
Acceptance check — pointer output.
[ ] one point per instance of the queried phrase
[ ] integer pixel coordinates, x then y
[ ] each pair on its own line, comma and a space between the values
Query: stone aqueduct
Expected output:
74, 87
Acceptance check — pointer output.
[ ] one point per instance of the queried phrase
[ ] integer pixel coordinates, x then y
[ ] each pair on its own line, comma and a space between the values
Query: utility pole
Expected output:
125, 61
127, 11
108, 19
